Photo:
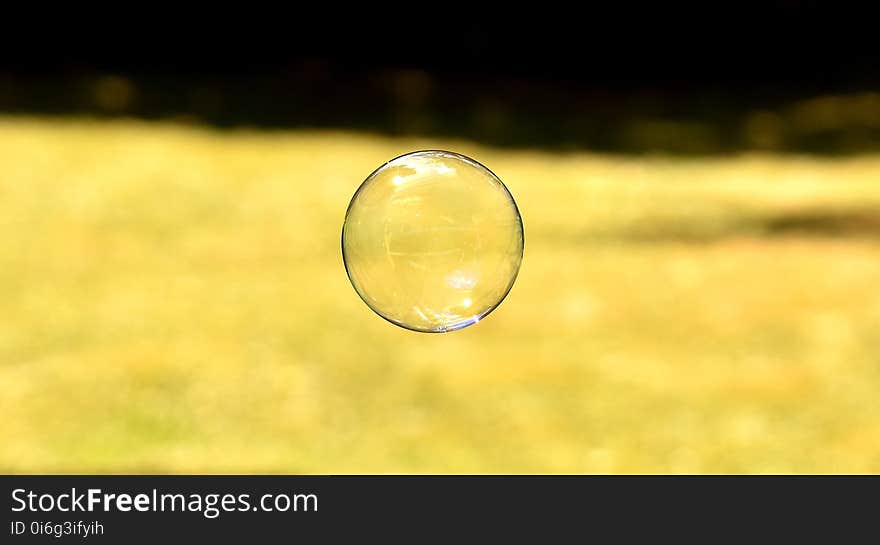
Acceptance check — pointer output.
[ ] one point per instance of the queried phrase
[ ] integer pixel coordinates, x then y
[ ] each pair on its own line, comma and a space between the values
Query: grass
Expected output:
172, 299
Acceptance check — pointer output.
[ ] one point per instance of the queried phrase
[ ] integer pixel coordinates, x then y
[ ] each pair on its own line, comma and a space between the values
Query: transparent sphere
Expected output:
432, 241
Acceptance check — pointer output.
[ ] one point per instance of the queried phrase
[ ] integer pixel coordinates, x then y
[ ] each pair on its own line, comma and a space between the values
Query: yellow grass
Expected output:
172, 299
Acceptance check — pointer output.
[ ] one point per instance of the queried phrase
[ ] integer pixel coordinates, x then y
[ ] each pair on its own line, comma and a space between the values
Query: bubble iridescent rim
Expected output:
473, 319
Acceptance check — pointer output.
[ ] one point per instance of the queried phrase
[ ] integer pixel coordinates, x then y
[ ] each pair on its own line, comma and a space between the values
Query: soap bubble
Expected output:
432, 241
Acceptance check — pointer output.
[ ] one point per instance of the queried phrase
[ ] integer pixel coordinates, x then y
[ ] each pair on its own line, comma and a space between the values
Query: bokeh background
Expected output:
699, 291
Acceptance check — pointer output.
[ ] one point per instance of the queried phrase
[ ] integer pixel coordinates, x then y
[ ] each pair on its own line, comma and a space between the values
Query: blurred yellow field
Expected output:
173, 299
